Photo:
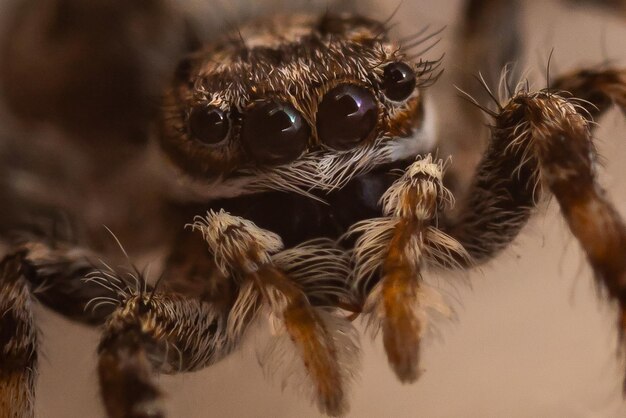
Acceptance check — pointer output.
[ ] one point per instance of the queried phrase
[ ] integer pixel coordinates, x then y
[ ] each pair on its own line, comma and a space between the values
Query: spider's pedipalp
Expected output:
312, 338
237, 244
396, 250
280, 361
298, 286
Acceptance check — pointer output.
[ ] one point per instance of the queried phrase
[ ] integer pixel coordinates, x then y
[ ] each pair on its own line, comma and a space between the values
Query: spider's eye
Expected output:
398, 81
274, 132
346, 116
208, 124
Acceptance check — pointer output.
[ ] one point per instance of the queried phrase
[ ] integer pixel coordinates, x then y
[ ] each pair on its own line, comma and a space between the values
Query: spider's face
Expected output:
298, 103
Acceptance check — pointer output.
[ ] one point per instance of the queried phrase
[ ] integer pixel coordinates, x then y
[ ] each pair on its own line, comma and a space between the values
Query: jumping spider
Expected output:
292, 179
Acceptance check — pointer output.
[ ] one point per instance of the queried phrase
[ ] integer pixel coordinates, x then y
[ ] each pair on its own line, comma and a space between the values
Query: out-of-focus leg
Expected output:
92, 68
598, 89
18, 341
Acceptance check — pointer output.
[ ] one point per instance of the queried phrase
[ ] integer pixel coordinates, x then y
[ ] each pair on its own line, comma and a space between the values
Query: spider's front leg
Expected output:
540, 141
182, 323
152, 332
394, 250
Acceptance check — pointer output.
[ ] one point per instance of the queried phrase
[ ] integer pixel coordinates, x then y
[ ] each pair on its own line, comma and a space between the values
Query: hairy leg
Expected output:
55, 272
51, 273
153, 332
542, 142
539, 140
392, 253
509, 179
18, 341
206, 300
146, 331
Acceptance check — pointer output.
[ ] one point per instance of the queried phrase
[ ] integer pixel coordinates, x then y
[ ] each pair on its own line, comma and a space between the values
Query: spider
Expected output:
291, 179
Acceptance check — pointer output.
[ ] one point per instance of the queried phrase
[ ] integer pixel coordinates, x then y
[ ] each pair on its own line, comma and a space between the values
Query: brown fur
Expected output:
18, 341
267, 61
401, 328
539, 142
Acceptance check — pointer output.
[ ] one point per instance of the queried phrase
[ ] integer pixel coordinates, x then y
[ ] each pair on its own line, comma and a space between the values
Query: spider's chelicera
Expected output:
299, 149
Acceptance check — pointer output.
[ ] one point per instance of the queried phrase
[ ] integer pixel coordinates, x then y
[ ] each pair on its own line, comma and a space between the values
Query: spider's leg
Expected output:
498, 204
391, 254
58, 278
298, 288
598, 89
517, 164
18, 341
35, 270
540, 141
154, 332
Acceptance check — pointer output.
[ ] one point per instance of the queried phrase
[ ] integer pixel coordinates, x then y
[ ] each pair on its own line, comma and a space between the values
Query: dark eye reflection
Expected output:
398, 81
347, 116
208, 124
274, 132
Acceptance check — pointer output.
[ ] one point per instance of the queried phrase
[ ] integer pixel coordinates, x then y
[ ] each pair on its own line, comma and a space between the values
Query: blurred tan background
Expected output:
532, 338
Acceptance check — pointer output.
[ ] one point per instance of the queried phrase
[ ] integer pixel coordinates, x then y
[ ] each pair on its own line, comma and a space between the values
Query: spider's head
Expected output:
295, 103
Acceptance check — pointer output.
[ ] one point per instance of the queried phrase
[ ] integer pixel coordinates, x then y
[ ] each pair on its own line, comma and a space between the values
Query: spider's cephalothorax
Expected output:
301, 117
300, 192
324, 98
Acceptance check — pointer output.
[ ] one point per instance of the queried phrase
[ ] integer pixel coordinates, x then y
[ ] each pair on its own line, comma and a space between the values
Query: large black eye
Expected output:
208, 124
346, 116
398, 81
274, 133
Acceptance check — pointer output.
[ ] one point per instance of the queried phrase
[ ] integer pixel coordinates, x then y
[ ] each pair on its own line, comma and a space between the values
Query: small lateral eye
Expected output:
398, 81
208, 124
